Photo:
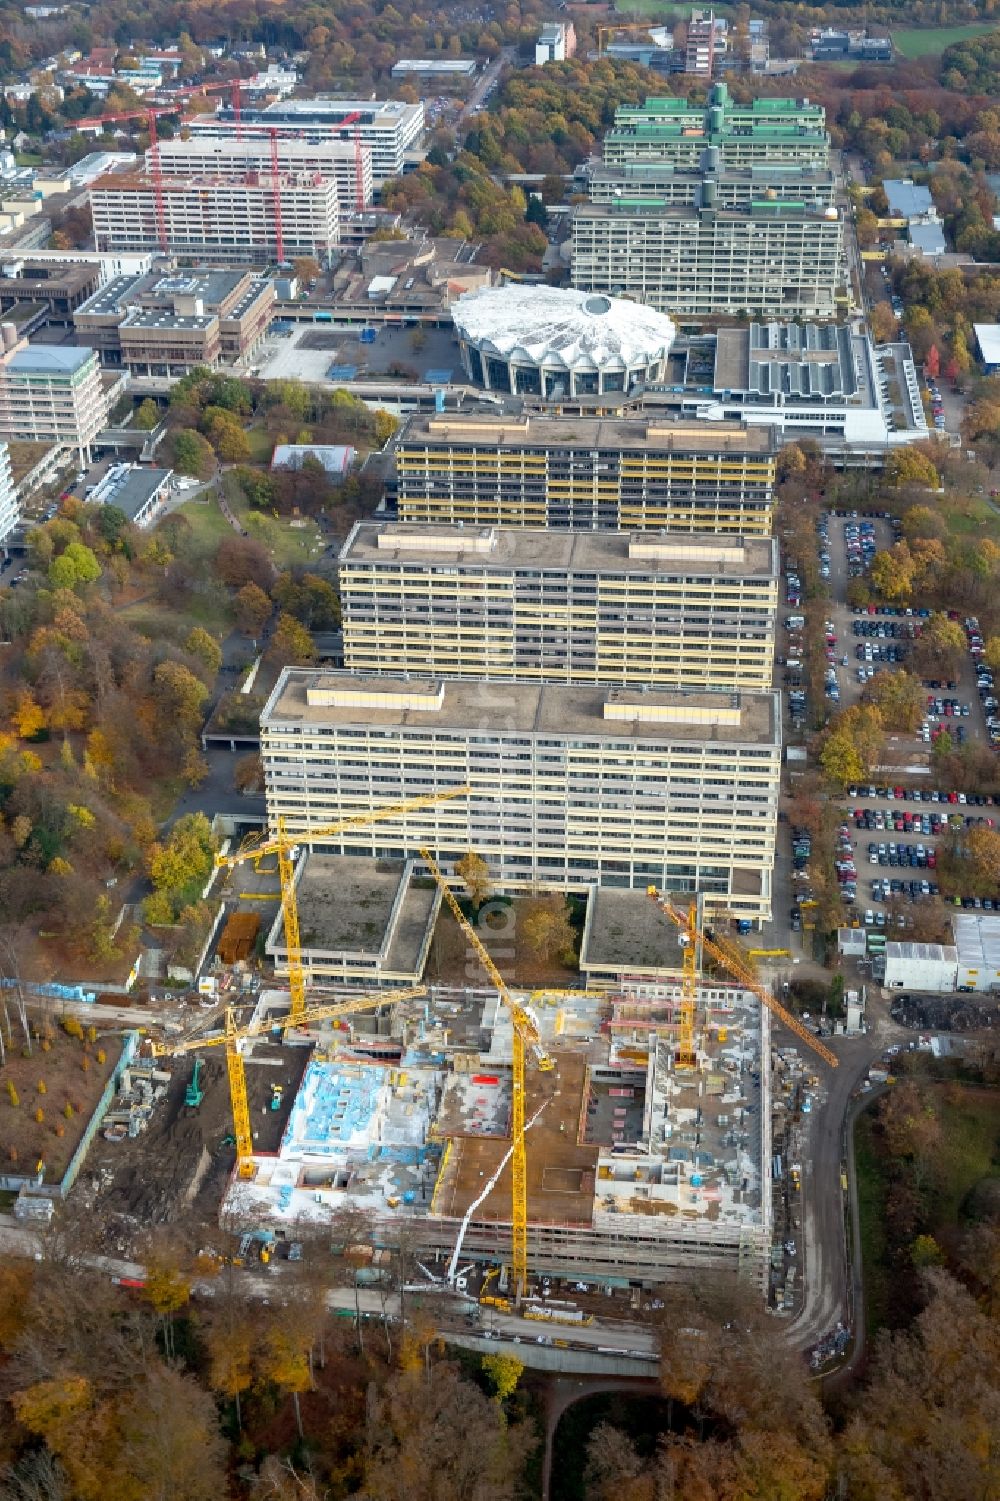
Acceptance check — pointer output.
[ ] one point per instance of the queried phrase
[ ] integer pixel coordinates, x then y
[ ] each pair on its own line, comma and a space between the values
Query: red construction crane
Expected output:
149, 115
231, 86
279, 237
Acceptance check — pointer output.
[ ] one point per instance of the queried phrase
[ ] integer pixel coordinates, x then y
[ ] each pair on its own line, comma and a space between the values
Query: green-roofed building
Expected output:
771, 131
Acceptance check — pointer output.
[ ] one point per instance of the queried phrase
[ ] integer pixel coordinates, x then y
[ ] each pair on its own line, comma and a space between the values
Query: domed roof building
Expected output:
555, 342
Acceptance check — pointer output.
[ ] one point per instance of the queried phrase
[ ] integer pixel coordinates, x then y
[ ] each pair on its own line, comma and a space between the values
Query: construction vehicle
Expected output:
526, 1036
286, 845
194, 1094
689, 925
234, 1035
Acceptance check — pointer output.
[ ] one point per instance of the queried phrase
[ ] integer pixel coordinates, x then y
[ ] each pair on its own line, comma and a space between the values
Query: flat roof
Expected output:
626, 435
977, 939
49, 359
347, 906
988, 339
503, 548
136, 490
551, 709
627, 931
906, 199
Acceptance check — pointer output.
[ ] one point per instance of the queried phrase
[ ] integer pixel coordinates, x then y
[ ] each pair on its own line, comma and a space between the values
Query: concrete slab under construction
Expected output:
560, 1168
636, 1167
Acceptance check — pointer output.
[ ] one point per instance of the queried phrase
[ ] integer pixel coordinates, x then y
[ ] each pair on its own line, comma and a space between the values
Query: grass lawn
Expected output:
261, 445
872, 1190
205, 520
930, 41
967, 516
662, 10
968, 1150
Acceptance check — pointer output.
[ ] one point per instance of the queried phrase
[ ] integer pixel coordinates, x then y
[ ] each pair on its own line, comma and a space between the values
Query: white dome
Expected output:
560, 328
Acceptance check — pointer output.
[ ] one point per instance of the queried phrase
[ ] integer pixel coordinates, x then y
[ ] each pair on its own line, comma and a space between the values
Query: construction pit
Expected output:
181, 1163
637, 1170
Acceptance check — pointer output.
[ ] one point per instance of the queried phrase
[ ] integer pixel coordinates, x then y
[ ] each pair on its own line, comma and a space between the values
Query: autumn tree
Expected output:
475, 876
75, 566
200, 644
940, 648
148, 415
27, 716
503, 1372
193, 454
240, 560
179, 867
251, 610
291, 644
899, 698
984, 859
927, 1421
167, 1289
908, 465
285, 1354
547, 927
852, 744
446, 1428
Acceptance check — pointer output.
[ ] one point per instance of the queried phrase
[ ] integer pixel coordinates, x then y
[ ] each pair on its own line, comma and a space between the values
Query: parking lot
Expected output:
887, 842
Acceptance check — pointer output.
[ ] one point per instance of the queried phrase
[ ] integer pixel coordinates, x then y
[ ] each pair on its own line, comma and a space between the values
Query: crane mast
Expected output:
526, 1034
286, 844
741, 973
233, 1035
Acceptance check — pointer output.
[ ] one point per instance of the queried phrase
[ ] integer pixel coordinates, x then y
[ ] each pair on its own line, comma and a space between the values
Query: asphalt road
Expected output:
824, 1256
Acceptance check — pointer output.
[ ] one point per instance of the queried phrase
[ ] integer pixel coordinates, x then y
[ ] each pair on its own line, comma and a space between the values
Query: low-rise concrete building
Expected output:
359, 921
140, 494
166, 324
917, 966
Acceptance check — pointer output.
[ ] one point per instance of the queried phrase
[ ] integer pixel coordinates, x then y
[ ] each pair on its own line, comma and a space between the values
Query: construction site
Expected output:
618, 1131
612, 1123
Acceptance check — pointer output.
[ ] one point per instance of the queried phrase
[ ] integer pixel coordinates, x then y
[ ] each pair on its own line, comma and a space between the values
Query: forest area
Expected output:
115, 658
190, 1388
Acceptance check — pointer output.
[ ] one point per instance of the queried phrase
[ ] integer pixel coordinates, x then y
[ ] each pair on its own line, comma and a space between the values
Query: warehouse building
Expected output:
917, 966
390, 128
570, 785
773, 258
677, 130
167, 324
216, 218
977, 939
585, 472
668, 609
232, 158
51, 394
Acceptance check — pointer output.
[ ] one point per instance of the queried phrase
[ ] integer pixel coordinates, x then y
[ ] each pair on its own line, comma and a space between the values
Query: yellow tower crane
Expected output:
285, 845
233, 1035
739, 972
526, 1035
